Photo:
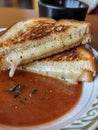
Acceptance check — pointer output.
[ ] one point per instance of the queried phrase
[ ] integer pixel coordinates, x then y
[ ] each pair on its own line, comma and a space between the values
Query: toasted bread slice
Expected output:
75, 65
38, 38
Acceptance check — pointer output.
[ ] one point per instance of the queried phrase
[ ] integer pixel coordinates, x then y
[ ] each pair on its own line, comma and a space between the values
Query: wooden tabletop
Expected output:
93, 19
9, 16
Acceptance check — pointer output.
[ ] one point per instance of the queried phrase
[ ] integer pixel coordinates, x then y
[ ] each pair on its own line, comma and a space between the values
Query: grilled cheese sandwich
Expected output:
34, 39
78, 64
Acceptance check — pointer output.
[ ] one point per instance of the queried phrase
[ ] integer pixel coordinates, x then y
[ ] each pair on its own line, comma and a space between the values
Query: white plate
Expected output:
83, 117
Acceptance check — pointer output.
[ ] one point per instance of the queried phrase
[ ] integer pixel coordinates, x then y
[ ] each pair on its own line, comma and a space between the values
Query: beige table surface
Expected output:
9, 16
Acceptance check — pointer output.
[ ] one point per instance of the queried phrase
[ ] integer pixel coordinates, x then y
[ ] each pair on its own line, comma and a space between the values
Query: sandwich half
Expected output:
74, 65
34, 39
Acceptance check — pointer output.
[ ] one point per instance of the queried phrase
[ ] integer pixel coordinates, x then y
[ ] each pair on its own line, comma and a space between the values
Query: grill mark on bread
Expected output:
39, 31
69, 55
42, 30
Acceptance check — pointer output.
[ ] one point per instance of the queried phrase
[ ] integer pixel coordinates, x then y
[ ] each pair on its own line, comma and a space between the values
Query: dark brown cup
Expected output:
64, 10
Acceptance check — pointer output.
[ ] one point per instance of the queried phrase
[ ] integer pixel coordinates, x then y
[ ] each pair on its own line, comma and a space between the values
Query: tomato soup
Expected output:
29, 99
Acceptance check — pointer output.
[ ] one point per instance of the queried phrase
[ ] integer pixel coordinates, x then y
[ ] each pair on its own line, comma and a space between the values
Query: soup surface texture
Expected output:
29, 99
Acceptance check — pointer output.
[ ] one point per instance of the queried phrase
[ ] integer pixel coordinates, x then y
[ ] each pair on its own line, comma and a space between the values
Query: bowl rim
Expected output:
86, 6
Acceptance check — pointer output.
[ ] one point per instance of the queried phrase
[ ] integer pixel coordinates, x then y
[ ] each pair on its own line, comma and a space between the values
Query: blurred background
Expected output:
33, 4
29, 4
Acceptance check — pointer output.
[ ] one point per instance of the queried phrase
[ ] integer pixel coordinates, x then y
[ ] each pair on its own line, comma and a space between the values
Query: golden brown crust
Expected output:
76, 53
30, 31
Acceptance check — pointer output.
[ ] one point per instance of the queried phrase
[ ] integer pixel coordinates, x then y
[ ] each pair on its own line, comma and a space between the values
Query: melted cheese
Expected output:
61, 70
